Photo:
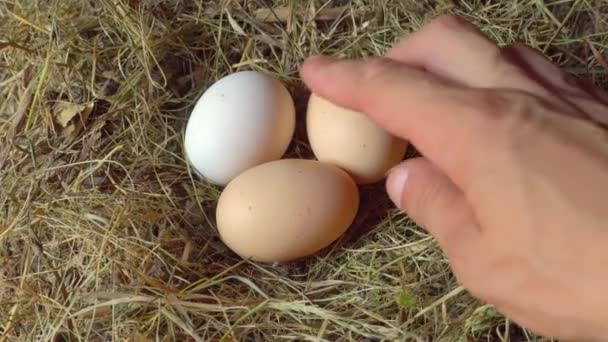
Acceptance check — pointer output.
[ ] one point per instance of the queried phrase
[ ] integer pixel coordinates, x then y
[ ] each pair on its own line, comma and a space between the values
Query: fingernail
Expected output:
396, 182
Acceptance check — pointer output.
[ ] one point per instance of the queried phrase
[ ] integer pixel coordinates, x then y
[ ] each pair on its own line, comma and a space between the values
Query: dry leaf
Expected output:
88, 109
70, 132
65, 111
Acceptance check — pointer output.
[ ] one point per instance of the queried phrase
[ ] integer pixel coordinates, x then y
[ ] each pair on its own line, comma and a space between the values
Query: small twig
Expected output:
598, 56
22, 109
4, 44
264, 35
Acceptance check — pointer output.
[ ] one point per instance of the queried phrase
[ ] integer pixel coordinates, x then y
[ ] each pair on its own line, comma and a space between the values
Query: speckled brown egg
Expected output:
351, 140
286, 209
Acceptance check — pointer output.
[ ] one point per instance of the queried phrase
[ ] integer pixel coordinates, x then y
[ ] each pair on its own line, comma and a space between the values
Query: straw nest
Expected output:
105, 232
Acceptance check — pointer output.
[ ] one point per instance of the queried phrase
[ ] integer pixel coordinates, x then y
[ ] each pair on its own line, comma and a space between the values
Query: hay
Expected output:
105, 233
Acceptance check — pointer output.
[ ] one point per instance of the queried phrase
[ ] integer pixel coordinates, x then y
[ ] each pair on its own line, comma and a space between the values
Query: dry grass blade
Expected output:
284, 14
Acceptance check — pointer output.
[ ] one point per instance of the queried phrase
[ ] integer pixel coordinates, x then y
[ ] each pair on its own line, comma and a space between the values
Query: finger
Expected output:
454, 127
593, 110
435, 203
457, 50
556, 77
590, 100
546, 71
597, 92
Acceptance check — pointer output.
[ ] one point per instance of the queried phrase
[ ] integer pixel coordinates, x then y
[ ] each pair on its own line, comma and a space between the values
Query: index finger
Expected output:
449, 124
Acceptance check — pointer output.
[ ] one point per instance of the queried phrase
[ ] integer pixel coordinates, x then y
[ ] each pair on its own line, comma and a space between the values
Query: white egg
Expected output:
243, 120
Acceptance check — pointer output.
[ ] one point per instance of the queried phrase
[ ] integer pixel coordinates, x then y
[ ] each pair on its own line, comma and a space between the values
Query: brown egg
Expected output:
286, 209
351, 141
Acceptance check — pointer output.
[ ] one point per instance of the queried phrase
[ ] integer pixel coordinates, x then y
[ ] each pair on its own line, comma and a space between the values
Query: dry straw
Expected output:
106, 234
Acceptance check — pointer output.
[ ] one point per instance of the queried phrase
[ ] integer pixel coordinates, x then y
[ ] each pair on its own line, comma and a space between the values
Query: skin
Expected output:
514, 179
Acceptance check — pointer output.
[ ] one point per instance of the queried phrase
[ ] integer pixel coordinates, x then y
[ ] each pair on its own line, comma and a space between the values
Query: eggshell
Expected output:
286, 209
351, 140
243, 120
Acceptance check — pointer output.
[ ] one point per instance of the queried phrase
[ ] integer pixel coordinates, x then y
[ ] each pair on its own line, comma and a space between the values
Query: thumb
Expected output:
435, 203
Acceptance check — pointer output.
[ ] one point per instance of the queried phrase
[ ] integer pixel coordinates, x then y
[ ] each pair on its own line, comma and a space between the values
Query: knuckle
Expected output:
506, 69
511, 114
448, 22
492, 104
499, 61
377, 69
522, 121
511, 122
509, 70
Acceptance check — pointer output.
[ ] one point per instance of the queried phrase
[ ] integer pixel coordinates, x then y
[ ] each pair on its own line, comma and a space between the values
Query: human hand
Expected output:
514, 179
